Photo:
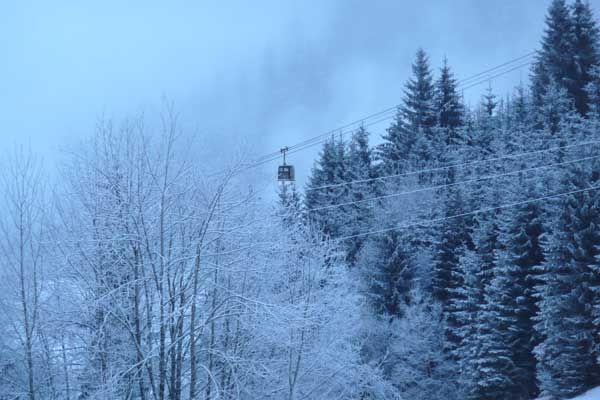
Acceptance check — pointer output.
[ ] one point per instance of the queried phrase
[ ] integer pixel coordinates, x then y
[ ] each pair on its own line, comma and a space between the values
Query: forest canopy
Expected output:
459, 258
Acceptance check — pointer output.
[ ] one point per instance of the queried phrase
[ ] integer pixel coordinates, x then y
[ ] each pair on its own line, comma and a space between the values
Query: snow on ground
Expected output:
593, 394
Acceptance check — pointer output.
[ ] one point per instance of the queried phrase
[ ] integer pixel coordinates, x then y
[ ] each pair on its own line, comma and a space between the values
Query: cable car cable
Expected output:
455, 165
479, 211
324, 136
472, 180
441, 219
473, 77
469, 86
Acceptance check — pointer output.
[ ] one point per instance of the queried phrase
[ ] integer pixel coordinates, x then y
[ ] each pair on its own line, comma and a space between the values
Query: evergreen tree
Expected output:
505, 358
539, 82
481, 356
445, 273
569, 53
566, 360
360, 171
395, 149
593, 93
494, 359
421, 371
519, 268
418, 105
423, 155
519, 135
322, 190
520, 107
448, 105
290, 203
555, 59
466, 310
487, 129
489, 102
388, 268
586, 38
556, 110
486, 239
416, 117
468, 130
447, 279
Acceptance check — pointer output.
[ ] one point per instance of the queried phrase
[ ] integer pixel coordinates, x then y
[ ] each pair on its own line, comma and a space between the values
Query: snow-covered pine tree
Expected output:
421, 370
556, 110
359, 169
554, 60
479, 270
393, 152
593, 93
520, 106
418, 108
519, 134
342, 192
505, 359
520, 264
486, 239
586, 55
446, 262
466, 310
425, 153
489, 102
447, 101
566, 360
447, 277
487, 124
328, 170
494, 358
448, 104
416, 117
561, 127
290, 203
569, 53
388, 269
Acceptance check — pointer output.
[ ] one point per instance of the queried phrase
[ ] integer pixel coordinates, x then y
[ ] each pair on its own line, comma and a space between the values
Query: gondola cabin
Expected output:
285, 173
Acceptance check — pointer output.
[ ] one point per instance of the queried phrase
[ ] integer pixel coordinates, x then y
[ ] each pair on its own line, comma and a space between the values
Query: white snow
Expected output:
593, 394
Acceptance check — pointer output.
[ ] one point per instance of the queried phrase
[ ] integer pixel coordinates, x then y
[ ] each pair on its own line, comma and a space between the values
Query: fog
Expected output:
253, 76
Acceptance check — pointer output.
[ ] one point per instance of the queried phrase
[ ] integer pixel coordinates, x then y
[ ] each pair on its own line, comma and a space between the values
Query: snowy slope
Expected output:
593, 394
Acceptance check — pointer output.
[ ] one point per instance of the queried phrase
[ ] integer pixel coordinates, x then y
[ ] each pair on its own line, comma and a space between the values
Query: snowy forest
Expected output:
456, 259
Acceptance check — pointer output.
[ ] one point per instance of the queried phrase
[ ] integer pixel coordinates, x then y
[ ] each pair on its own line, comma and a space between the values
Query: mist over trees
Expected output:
457, 259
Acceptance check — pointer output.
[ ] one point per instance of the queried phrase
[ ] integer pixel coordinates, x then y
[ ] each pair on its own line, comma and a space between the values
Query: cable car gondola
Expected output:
285, 172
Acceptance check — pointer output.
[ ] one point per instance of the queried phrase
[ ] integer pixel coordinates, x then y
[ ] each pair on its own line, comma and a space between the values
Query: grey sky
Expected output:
266, 73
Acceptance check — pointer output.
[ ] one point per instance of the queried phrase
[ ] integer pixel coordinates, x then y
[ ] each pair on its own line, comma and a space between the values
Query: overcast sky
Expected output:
262, 73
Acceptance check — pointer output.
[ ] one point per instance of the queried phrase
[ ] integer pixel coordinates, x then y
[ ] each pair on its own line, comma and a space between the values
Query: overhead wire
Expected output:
454, 165
466, 181
391, 112
436, 187
479, 211
296, 148
484, 74
428, 222
487, 79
